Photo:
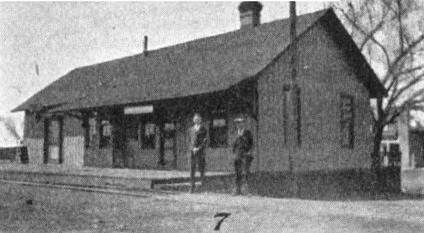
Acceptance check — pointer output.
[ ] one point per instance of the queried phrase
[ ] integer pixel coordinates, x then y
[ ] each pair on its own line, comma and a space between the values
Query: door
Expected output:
53, 141
416, 148
141, 149
394, 155
170, 145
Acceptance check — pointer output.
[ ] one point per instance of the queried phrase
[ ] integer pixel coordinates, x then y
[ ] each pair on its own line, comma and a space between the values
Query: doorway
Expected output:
417, 148
53, 141
141, 149
169, 151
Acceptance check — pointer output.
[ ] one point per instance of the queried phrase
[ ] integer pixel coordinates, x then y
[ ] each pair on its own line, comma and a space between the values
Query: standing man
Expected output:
198, 141
242, 149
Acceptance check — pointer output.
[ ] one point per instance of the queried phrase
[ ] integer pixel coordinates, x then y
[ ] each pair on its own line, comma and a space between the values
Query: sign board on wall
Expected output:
138, 109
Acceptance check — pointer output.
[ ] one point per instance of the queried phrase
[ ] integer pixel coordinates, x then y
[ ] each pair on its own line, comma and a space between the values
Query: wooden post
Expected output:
161, 125
295, 102
293, 67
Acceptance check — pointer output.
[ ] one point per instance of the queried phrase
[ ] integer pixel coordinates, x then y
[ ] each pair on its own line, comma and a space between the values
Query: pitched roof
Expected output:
196, 67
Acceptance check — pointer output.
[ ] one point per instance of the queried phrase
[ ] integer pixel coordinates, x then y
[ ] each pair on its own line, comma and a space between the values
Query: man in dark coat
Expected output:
198, 142
243, 156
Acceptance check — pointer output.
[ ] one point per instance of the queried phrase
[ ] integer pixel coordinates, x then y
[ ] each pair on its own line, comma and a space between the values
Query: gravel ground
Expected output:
61, 210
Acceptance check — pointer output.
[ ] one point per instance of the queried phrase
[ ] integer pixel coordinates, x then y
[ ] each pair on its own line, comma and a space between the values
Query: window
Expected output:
90, 130
139, 129
347, 121
394, 154
298, 117
105, 133
383, 155
218, 132
286, 98
169, 130
54, 132
148, 136
54, 140
390, 132
132, 128
292, 105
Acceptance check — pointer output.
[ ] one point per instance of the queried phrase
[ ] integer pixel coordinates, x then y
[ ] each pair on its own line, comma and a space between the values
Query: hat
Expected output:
240, 118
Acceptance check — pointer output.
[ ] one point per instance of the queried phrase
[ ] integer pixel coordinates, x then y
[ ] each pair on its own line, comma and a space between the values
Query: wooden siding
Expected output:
323, 75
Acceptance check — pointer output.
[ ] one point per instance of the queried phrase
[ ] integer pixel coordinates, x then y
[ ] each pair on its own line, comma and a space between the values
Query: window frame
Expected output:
169, 132
347, 123
132, 128
215, 131
142, 135
105, 141
90, 129
59, 138
286, 99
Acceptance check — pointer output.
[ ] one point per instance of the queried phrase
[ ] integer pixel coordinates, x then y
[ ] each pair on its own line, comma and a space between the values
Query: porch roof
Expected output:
196, 67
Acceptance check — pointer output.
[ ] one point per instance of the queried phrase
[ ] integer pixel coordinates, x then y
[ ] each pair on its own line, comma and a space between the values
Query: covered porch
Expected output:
154, 134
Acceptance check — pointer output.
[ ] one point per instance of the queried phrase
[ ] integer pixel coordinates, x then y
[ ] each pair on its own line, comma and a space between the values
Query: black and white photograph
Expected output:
212, 116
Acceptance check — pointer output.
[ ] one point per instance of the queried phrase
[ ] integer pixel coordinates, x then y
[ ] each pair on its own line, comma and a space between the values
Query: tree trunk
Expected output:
378, 136
375, 157
376, 149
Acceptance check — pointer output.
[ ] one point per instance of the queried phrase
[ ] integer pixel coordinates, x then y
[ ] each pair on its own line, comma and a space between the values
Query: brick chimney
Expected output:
145, 51
250, 14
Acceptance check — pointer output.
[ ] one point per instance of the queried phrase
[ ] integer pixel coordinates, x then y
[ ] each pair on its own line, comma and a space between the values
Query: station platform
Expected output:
117, 178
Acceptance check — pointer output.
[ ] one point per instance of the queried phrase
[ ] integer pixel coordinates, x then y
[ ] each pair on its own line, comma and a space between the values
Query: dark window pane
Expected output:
394, 154
92, 131
105, 133
218, 133
169, 130
106, 129
54, 135
347, 119
132, 129
148, 136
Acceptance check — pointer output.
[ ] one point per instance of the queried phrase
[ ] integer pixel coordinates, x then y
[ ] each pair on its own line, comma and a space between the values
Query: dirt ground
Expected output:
61, 210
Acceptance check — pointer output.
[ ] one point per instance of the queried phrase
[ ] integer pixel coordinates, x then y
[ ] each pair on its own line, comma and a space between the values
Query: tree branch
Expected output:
408, 105
399, 18
412, 97
364, 33
409, 85
408, 71
371, 34
403, 54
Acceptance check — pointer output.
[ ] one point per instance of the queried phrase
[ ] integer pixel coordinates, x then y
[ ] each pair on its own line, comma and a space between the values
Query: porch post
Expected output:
160, 117
118, 138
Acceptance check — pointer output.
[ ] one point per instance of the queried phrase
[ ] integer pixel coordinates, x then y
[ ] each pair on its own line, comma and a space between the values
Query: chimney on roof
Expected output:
145, 45
250, 14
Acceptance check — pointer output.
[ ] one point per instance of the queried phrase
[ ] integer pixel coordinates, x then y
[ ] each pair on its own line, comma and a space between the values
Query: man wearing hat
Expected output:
242, 149
198, 141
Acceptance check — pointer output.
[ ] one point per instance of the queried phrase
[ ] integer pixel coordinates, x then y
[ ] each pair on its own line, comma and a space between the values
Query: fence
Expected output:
14, 154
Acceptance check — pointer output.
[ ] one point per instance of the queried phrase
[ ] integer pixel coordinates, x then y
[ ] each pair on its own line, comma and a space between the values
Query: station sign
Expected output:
138, 109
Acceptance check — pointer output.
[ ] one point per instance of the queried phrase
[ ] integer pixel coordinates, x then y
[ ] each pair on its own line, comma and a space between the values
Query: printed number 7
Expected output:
223, 217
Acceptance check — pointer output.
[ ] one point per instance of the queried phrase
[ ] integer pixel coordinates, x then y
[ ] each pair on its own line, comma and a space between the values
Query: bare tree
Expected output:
390, 34
11, 127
